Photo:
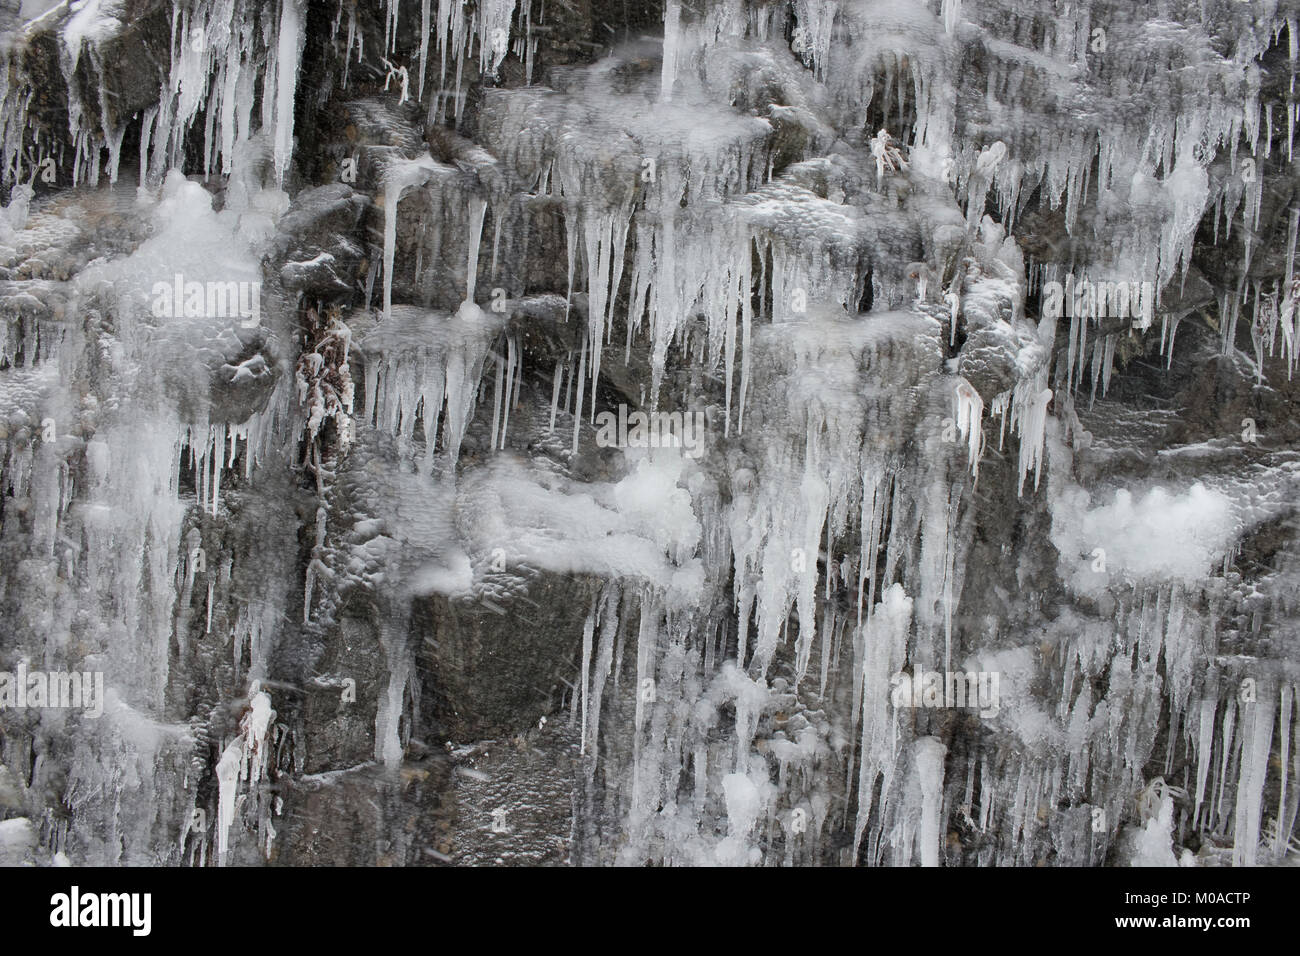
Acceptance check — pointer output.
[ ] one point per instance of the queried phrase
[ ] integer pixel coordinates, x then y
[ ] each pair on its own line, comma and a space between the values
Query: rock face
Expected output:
749, 433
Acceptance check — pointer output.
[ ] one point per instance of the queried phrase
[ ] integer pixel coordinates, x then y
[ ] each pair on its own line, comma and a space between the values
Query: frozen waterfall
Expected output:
747, 432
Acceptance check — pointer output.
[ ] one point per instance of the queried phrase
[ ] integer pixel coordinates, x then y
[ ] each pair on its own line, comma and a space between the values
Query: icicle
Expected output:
424, 46
1284, 818
609, 624
1229, 720
883, 646
245, 759
496, 402
1029, 401
556, 382
388, 713
588, 629
352, 37
577, 409
929, 753
477, 210
968, 412
1256, 737
1204, 752
513, 371
217, 438
672, 43
951, 10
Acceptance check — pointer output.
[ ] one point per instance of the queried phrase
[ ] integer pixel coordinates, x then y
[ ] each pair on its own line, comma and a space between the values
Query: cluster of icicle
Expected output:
456, 30
685, 257
244, 762
1159, 164
220, 51
419, 361
117, 531
803, 502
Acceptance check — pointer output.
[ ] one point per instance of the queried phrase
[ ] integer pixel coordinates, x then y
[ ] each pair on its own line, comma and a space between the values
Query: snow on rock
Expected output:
1159, 536
18, 842
635, 529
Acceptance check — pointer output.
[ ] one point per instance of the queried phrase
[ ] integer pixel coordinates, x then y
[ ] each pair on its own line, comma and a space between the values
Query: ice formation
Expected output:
989, 313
